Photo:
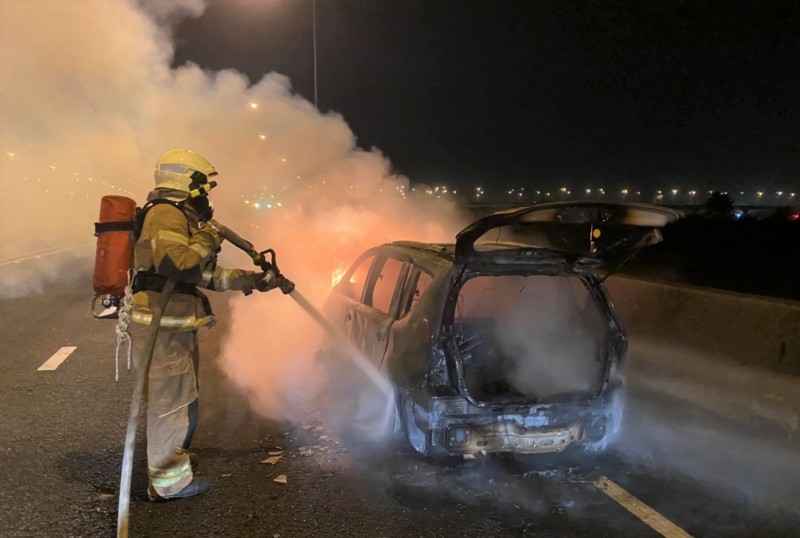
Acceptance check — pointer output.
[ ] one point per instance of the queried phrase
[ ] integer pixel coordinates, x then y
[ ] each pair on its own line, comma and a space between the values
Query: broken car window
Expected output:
385, 284
354, 287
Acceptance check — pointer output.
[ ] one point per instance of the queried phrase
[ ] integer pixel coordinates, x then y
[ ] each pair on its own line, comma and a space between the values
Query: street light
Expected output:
314, 34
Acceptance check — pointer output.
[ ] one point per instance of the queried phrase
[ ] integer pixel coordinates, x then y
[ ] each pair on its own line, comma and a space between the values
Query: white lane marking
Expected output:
650, 517
58, 357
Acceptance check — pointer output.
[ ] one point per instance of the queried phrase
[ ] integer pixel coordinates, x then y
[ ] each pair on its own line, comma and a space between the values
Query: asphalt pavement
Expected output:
678, 469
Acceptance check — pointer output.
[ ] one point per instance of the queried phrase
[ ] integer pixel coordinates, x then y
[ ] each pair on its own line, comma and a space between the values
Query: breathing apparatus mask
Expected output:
200, 196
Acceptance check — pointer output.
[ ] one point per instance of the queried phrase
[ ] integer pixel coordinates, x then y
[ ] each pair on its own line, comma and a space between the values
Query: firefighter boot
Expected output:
198, 485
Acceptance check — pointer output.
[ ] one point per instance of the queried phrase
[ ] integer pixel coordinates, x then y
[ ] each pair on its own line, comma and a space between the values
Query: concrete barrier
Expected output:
743, 329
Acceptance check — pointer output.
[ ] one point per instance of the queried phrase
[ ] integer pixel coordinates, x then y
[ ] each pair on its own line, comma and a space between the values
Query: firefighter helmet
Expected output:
184, 170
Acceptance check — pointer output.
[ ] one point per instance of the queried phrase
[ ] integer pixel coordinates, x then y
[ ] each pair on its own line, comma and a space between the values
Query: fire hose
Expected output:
284, 284
123, 510
288, 288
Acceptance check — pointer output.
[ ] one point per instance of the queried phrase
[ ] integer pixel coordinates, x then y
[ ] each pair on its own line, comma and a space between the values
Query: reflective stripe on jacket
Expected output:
173, 244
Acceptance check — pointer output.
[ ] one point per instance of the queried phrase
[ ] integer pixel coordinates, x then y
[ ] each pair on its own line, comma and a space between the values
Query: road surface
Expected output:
678, 469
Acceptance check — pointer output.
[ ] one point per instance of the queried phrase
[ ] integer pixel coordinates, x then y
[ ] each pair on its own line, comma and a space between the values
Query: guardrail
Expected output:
743, 329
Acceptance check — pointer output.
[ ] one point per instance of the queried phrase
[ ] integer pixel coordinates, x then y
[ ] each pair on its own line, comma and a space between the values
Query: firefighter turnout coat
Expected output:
174, 245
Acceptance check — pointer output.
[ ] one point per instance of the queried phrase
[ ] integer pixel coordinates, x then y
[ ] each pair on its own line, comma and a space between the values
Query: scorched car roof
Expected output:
445, 251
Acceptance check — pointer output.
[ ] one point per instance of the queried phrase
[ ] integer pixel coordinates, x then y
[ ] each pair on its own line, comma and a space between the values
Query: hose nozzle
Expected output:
285, 285
259, 258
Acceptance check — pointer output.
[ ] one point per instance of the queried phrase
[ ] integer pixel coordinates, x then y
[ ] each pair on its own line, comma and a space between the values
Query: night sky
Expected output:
541, 94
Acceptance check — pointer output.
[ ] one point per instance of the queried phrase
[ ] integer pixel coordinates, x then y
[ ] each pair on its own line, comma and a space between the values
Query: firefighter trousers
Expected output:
172, 408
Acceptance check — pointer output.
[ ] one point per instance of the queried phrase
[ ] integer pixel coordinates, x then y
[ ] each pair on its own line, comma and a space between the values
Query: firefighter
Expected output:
179, 241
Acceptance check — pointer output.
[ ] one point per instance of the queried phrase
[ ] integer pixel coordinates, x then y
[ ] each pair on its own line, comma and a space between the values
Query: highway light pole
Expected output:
314, 33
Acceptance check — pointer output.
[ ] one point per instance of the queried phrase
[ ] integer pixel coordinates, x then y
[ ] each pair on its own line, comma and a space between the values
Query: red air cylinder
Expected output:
114, 245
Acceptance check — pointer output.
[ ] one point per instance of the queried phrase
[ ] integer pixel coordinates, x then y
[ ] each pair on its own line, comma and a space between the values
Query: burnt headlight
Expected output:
596, 428
458, 436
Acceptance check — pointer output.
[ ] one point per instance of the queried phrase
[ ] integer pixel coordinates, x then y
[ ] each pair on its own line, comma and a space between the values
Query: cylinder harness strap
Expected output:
123, 336
124, 309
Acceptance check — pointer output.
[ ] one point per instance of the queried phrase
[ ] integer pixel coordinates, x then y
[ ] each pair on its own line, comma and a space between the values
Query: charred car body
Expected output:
505, 341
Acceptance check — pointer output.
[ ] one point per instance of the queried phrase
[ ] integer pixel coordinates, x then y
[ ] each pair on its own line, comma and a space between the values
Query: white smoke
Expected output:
89, 101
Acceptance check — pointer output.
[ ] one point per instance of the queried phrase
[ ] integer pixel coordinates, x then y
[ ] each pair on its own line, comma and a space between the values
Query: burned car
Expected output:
506, 340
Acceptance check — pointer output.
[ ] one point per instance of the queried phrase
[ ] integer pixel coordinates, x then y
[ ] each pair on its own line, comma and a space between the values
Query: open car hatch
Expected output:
595, 233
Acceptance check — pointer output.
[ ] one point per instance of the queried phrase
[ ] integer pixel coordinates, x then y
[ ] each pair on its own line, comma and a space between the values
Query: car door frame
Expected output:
371, 328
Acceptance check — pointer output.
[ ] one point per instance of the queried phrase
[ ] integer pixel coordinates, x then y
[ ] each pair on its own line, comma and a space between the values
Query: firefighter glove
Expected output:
268, 280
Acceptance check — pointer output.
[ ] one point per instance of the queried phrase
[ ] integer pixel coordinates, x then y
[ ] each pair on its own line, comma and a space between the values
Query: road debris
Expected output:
272, 460
280, 479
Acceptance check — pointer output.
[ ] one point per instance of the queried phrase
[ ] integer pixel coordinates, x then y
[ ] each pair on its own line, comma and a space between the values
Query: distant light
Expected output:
257, 205
759, 194
283, 159
253, 105
738, 214
262, 136
779, 193
794, 216
10, 153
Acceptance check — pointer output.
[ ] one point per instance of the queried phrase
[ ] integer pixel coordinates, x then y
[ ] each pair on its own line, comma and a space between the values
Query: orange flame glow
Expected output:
336, 276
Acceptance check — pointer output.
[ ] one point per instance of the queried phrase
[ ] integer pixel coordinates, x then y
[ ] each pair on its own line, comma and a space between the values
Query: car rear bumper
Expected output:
507, 437
458, 428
